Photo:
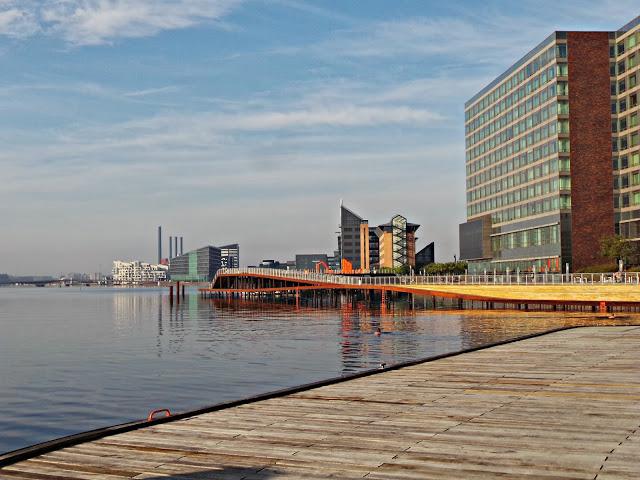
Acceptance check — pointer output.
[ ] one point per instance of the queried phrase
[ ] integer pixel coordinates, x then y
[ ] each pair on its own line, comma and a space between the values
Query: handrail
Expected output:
518, 278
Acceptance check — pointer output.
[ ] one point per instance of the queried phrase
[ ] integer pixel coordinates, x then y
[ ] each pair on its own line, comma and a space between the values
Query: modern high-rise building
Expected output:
198, 265
353, 241
541, 190
230, 255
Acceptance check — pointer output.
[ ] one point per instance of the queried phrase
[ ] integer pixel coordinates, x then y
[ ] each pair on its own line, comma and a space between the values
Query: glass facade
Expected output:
517, 160
625, 125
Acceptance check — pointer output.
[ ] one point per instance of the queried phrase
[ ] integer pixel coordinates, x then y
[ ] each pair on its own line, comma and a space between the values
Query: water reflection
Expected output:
102, 356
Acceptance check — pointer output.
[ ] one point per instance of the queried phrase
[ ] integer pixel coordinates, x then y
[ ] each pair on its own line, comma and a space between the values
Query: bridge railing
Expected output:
525, 278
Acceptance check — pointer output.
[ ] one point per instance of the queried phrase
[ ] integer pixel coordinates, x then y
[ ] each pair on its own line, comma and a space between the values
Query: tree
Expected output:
616, 247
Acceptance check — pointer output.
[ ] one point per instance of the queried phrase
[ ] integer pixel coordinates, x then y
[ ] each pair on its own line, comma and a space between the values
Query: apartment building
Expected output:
541, 140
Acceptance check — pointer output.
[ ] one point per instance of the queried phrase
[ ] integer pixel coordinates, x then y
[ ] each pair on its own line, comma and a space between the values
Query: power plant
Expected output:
176, 246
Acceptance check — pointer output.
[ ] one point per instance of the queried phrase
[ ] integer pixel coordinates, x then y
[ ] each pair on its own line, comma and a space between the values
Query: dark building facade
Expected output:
230, 255
541, 140
426, 256
309, 261
198, 265
353, 241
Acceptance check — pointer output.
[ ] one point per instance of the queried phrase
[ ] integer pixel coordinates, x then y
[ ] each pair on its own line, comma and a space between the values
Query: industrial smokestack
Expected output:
175, 245
159, 244
181, 251
170, 247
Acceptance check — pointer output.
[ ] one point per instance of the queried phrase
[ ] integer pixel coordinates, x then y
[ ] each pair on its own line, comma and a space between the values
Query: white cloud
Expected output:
16, 20
95, 22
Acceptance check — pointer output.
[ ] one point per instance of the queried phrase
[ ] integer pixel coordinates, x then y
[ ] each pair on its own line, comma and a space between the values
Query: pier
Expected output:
559, 405
522, 291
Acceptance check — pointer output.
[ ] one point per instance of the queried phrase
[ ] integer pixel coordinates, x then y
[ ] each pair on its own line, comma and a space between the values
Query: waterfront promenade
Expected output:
593, 291
560, 405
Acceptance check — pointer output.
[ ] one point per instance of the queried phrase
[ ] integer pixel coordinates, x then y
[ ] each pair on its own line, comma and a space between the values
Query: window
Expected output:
632, 61
634, 139
561, 51
620, 48
632, 81
563, 69
623, 124
563, 108
623, 106
563, 145
621, 67
622, 86
563, 88
633, 120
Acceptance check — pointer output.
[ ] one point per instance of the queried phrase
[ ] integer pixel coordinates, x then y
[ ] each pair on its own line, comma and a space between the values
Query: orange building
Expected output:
397, 243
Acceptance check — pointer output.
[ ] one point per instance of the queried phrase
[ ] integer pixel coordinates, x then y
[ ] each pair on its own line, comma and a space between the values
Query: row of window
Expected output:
515, 163
626, 141
545, 205
518, 112
525, 142
624, 123
628, 102
626, 200
628, 43
557, 51
477, 153
526, 193
623, 65
521, 93
541, 265
527, 124
529, 192
622, 162
522, 177
625, 84
533, 155
626, 180
629, 229
549, 235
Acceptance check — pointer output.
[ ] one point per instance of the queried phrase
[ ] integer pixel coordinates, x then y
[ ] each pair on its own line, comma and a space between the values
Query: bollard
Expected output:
603, 307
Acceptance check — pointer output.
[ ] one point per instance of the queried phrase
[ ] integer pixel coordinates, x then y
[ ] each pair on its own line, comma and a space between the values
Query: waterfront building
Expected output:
334, 261
353, 241
275, 264
397, 243
309, 261
425, 256
541, 140
198, 265
230, 255
137, 272
363, 248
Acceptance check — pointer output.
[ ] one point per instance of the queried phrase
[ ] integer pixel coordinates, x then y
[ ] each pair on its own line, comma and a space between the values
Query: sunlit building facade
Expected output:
540, 188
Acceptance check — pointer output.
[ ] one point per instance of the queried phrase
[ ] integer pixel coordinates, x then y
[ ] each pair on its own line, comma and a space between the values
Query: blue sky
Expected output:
247, 121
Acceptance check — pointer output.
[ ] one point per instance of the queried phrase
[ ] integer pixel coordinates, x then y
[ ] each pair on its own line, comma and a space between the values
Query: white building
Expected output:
136, 272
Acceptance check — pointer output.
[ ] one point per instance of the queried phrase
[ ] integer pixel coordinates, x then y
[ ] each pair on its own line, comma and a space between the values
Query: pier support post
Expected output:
170, 293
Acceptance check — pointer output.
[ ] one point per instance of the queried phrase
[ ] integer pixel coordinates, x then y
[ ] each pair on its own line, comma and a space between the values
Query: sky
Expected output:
244, 121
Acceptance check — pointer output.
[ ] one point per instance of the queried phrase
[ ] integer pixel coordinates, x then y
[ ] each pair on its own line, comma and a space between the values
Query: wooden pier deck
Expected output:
559, 406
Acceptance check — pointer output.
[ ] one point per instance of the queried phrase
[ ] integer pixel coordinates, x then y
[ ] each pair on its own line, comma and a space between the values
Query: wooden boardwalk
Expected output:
563, 405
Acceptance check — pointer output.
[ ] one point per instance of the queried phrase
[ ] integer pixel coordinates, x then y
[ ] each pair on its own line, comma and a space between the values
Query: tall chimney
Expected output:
175, 245
170, 247
159, 244
181, 251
